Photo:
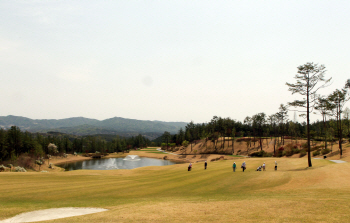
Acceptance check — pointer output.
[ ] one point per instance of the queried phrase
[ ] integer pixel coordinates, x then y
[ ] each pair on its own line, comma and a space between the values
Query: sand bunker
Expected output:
50, 214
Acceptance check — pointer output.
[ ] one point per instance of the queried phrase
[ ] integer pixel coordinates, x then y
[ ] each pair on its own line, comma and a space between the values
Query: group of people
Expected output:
190, 166
261, 167
243, 166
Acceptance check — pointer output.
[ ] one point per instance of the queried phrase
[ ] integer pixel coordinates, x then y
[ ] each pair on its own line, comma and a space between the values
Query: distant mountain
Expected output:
85, 126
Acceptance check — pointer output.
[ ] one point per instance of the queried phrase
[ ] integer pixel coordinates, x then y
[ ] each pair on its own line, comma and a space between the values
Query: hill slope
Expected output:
84, 126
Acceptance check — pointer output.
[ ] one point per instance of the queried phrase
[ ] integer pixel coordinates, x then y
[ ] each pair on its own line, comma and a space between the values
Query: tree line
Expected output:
310, 78
14, 142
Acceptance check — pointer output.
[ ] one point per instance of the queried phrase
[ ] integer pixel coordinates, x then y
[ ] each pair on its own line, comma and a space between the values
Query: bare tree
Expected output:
309, 79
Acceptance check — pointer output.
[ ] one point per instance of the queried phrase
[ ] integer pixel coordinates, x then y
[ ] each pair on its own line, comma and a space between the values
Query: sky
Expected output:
165, 60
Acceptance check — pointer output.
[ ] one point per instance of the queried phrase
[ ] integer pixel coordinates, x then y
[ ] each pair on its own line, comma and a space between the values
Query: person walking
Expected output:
275, 165
234, 166
190, 167
243, 166
264, 167
205, 165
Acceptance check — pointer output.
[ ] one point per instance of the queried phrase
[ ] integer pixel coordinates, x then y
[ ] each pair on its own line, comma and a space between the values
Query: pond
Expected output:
129, 162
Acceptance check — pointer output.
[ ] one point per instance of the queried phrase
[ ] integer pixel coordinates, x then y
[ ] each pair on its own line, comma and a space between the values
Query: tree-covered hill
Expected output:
85, 126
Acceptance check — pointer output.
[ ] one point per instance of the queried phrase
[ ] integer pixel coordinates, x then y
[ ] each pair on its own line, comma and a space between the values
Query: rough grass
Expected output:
172, 194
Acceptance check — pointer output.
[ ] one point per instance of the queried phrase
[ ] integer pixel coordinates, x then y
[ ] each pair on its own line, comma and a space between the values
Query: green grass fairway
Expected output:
294, 193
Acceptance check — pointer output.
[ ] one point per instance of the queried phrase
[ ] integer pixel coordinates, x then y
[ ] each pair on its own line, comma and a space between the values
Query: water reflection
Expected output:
114, 163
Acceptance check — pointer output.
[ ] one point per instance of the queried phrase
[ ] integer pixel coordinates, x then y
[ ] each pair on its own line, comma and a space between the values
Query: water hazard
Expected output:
129, 162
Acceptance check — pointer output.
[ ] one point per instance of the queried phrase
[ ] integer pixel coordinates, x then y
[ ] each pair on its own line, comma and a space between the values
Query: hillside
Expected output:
86, 126
243, 149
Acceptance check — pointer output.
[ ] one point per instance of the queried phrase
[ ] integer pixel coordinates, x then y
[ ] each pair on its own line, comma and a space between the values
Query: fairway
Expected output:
173, 194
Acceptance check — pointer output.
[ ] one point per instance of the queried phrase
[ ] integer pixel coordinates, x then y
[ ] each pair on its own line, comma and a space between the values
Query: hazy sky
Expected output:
164, 60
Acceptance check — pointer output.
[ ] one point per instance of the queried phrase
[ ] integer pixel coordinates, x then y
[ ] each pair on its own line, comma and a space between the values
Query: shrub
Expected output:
261, 153
25, 161
295, 151
316, 153
302, 153
289, 152
2, 168
269, 154
289, 146
316, 148
20, 169
325, 151
185, 143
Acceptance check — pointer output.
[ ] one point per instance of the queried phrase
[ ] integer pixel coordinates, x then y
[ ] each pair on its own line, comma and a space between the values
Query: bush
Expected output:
295, 151
289, 152
25, 160
316, 148
325, 151
261, 153
2, 168
289, 146
316, 153
185, 143
20, 169
302, 153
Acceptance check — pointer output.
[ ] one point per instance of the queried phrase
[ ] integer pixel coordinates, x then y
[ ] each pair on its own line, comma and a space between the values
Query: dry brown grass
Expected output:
294, 193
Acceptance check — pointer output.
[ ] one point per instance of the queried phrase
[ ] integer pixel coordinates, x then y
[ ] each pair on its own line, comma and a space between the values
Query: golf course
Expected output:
293, 193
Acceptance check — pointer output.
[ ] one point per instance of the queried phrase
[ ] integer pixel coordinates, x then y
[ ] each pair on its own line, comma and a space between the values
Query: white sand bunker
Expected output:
50, 214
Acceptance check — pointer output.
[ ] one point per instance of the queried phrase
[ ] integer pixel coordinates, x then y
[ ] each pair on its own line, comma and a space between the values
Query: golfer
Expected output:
190, 167
275, 165
243, 166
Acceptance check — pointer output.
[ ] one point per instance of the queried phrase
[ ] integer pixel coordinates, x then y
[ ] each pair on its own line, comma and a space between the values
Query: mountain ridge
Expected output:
82, 125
